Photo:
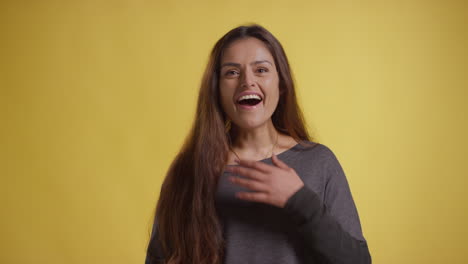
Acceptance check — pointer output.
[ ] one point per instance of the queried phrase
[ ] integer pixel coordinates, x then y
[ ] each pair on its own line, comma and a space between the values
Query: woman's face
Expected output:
248, 83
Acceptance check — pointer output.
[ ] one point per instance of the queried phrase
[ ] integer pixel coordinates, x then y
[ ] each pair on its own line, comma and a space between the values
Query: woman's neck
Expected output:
255, 142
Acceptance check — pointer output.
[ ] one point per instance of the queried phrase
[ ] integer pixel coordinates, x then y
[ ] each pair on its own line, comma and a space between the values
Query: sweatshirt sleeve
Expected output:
330, 229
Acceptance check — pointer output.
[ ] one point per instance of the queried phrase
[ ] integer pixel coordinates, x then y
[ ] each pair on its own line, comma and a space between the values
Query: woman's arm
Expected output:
331, 228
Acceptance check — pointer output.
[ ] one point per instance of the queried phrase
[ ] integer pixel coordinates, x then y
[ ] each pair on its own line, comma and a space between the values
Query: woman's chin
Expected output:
252, 123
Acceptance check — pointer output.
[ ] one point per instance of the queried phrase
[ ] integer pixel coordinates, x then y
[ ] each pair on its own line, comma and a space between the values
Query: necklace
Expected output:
276, 142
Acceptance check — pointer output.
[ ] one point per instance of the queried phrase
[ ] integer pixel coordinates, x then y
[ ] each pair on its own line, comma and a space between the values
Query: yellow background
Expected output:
97, 97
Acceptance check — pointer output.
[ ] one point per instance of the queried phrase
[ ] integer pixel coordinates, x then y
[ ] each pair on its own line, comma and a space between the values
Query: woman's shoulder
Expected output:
313, 151
312, 146
312, 161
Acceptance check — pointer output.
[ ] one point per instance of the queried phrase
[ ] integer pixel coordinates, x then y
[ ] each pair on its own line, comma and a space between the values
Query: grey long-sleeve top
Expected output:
319, 223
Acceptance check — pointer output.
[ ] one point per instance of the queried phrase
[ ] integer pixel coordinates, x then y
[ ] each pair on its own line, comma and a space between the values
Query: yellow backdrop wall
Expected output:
97, 97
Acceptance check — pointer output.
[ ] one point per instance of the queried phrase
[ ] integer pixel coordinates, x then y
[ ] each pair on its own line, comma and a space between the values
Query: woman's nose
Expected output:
248, 79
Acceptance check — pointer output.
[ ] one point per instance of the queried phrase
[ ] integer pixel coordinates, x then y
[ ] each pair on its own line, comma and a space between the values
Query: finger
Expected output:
247, 172
279, 162
253, 196
249, 184
258, 165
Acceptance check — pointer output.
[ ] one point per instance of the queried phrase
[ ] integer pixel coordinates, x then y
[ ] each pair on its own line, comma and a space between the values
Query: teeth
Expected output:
249, 96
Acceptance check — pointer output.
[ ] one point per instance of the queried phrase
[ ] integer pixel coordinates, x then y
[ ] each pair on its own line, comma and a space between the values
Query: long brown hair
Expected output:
187, 228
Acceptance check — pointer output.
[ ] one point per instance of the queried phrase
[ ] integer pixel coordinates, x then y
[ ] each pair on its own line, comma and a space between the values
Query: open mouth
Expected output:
249, 100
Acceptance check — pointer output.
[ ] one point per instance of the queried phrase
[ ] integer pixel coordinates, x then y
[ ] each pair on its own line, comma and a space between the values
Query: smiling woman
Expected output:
250, 185
249, 88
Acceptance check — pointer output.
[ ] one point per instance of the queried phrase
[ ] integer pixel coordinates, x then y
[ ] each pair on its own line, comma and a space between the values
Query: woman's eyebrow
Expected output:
238, 65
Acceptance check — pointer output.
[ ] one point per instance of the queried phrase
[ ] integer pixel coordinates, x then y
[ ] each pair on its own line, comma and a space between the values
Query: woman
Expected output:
249, 185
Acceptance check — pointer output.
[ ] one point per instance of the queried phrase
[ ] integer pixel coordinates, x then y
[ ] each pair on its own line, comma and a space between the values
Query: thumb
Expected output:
278, 162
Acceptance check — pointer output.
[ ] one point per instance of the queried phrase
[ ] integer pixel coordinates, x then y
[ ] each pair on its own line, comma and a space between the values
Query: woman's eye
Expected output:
262, 70
231, 72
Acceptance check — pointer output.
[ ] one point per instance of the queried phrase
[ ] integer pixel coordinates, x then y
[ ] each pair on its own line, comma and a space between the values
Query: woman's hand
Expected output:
272, 184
